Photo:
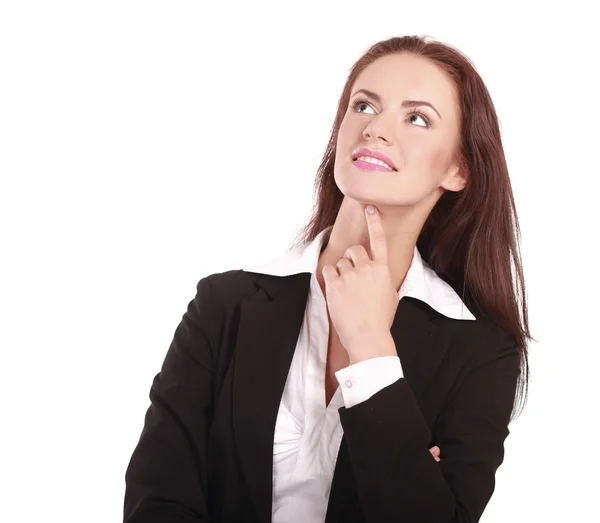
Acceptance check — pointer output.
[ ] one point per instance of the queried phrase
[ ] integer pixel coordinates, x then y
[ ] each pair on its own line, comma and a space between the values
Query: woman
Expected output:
369, 374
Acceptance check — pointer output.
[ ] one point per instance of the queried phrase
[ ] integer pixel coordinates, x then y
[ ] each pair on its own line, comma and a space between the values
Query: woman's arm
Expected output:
166, 476
388, 437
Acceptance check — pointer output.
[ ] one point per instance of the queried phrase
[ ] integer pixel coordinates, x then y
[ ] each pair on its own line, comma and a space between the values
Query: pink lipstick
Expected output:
369, 166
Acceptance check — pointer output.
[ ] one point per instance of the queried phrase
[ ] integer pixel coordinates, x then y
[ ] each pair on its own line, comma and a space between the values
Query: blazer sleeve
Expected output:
387, 436
166, 476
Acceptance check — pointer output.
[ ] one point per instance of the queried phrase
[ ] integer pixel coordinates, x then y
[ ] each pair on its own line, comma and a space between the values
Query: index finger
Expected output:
376, 233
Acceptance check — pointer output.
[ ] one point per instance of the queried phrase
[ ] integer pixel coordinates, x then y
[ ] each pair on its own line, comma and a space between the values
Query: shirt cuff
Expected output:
364, 379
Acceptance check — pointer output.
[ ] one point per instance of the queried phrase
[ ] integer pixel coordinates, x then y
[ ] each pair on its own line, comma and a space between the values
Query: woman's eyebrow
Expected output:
405, 103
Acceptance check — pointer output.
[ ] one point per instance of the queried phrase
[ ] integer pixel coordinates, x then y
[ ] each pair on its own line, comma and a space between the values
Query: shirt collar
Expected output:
421, 281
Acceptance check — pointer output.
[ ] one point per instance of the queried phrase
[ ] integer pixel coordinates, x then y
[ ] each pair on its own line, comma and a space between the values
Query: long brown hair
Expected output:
471, 237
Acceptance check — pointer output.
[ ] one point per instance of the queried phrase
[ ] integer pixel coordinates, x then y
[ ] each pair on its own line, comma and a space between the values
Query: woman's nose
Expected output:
375, 131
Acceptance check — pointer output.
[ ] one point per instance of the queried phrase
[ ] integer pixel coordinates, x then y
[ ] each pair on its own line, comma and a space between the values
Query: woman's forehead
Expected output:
402, 76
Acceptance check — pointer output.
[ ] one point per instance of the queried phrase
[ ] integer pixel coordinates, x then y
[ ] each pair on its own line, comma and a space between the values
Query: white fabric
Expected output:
308, 433
360, 381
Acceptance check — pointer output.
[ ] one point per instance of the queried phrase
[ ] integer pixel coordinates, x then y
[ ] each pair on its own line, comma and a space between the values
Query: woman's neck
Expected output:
350, 228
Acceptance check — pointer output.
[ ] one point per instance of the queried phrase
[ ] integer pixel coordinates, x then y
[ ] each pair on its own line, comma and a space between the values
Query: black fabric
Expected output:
205, 452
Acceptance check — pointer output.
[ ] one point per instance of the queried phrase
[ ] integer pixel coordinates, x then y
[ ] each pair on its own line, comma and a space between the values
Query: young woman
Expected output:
370, 373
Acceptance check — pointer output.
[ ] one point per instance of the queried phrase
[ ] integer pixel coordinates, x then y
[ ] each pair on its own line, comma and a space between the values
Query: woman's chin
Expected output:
360, 189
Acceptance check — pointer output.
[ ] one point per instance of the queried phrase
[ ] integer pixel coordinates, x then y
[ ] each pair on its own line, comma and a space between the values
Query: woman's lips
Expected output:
367, 166
378, 155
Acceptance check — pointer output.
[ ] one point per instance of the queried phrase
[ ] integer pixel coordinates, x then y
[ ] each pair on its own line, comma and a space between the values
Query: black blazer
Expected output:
205, 452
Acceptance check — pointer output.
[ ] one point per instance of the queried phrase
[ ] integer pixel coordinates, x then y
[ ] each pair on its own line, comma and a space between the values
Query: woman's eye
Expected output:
422, 117
359, 104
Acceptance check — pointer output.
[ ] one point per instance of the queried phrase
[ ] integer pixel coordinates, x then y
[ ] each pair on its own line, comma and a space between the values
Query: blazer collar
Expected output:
421, 282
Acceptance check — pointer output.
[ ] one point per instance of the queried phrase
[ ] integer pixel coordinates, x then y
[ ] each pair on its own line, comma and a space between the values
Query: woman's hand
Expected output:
362, 300
435, 452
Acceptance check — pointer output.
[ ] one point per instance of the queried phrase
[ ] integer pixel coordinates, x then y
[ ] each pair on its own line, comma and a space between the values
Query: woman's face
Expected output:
420, 146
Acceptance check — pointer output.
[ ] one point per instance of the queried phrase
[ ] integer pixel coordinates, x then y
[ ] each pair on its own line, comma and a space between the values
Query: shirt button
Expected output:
348, 383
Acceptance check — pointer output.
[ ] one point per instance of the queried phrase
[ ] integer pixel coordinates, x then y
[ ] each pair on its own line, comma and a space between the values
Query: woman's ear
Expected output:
455, 181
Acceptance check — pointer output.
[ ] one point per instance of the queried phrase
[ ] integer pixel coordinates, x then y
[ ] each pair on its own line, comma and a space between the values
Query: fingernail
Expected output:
370, 209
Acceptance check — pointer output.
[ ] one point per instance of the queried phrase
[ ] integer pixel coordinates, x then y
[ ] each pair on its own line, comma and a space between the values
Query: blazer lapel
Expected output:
419, 343
421, 352
268, 331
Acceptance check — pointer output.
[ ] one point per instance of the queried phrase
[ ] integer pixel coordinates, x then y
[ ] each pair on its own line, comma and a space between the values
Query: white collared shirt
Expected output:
308, 433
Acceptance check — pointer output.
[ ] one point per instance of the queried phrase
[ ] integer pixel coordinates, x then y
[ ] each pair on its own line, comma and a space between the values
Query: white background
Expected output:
145, 145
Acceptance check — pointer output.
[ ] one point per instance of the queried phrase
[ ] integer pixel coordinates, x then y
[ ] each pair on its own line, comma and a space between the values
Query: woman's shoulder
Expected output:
237, 285
484, 339
230, 286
